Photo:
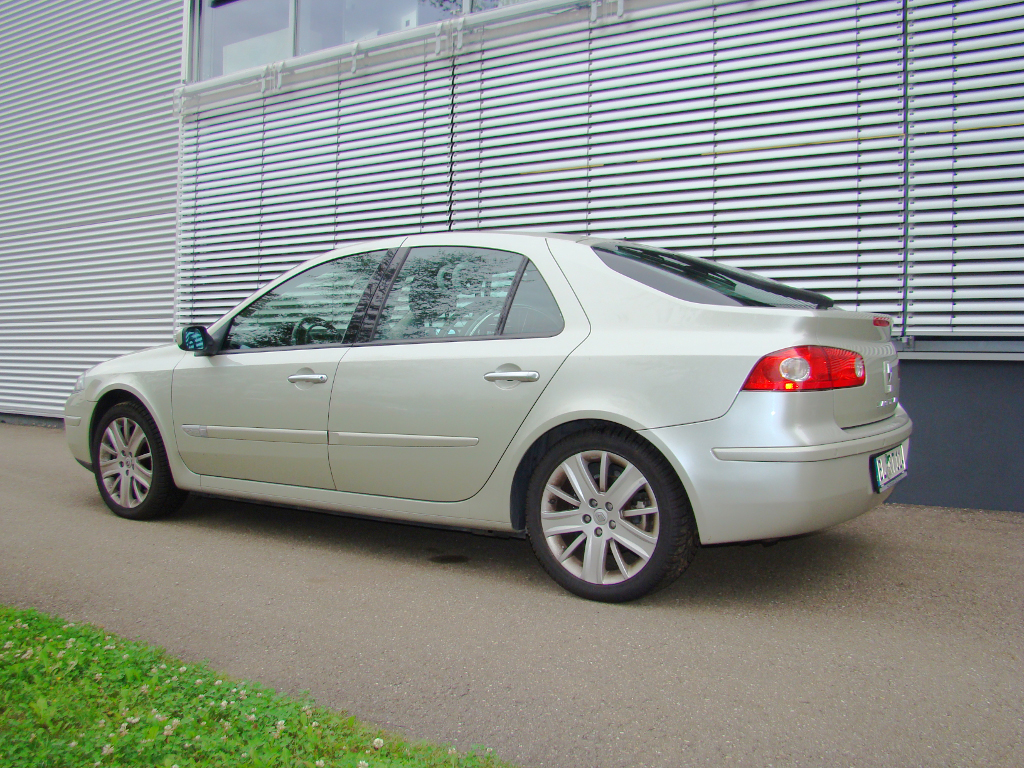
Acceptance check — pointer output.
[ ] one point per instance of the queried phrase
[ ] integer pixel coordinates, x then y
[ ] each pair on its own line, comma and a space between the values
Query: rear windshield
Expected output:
701, 281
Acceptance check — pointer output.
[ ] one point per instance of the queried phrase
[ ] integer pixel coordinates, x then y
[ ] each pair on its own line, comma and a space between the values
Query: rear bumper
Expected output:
746, 493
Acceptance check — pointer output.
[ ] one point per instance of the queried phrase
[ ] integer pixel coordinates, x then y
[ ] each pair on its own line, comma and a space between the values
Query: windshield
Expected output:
701, 281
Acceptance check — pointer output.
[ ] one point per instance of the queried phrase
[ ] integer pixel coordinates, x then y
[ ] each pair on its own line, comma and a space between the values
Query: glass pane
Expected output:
701, 281
314, 307
238, 34
534, 310
448, 293
326, 23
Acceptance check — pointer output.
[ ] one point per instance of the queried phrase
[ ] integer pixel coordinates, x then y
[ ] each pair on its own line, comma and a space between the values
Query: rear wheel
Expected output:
607, 517
130, 464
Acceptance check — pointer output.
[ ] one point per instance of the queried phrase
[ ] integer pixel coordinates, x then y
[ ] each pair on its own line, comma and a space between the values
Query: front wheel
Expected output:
130, 463
607, 517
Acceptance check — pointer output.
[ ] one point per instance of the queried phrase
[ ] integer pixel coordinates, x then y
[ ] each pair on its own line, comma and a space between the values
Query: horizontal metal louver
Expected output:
966, 126
868, 150
267, 185
88, 148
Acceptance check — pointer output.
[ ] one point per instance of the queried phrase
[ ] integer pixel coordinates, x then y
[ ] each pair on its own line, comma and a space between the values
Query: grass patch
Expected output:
75, 695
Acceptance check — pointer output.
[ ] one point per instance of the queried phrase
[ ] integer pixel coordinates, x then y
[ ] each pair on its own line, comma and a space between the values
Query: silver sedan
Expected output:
619, 404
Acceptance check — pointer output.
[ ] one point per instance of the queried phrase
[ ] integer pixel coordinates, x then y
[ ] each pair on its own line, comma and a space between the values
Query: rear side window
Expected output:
450, 292
442, 293
701, 281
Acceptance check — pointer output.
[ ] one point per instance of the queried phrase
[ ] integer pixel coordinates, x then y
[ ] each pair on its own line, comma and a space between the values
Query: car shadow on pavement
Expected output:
805, 571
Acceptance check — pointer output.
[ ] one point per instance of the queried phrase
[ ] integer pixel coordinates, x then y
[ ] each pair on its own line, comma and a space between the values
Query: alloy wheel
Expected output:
126, 462
599, 517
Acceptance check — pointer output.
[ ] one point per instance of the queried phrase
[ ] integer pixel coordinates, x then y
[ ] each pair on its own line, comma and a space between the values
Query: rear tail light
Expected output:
807, 368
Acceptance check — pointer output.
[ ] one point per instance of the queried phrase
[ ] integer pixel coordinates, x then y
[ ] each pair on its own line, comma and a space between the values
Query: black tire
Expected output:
623, 574
126, 478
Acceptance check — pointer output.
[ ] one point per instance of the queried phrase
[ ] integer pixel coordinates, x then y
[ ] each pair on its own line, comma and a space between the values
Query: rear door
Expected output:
258, 409
449, 367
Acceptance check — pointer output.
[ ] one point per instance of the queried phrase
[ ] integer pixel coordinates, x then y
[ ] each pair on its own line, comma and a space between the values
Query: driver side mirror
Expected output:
195, 338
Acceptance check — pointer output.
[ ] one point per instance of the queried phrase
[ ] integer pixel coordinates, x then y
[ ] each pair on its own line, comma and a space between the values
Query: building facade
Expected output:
872, 151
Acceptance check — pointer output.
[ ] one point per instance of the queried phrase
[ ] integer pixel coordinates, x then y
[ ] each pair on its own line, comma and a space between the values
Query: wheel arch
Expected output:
531, 458
108, 400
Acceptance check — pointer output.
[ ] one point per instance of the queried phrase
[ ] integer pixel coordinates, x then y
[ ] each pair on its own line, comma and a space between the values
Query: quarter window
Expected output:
533, 311
314, 307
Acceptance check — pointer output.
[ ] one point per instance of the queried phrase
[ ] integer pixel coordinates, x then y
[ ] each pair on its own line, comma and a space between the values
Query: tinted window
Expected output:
314, 307
533, 309
700, 281
448, 292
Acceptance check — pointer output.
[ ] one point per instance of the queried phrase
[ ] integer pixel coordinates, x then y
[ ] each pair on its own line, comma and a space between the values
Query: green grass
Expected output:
75, 695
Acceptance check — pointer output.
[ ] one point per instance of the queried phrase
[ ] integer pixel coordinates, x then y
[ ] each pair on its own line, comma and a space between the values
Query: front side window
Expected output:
448, 292
313, 307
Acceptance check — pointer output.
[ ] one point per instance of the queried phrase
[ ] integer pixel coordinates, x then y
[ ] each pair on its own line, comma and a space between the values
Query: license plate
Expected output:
889, 467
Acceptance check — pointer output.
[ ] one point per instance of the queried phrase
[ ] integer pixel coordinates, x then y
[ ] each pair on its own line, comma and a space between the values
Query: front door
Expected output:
258, 409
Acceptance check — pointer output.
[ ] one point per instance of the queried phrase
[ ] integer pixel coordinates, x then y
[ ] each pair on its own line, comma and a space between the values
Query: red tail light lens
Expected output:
799, 369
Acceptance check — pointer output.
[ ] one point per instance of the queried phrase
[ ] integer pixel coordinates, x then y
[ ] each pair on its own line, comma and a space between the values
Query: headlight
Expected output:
79, 384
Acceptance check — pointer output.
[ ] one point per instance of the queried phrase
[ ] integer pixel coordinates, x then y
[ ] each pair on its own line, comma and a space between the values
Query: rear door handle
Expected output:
512, 376
312, 378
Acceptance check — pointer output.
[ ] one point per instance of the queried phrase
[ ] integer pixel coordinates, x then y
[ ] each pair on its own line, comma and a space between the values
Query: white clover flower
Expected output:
316, 724
451, 750
280, 723
223, 704
60, 654
319, 764
163, 666
363, 764
8, 644
27, 654
250, 718
144, 688
134, 720
199, 681
202, 695
107, 749
123, 729
72, 743
378, 743
217, 682
97, 677
101, 723
197, 738
183, 669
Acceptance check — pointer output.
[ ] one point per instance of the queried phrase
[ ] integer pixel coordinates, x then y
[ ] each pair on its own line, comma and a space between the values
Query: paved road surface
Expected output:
894, 640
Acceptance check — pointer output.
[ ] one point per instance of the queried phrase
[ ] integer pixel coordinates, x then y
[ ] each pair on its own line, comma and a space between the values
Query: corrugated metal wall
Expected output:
88, 165
868, 150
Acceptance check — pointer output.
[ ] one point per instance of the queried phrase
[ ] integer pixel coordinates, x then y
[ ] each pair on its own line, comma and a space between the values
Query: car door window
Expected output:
448, 293
313, 307
534, 311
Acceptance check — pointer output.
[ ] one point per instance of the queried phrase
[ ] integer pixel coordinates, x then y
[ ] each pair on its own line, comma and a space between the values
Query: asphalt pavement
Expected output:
894, 640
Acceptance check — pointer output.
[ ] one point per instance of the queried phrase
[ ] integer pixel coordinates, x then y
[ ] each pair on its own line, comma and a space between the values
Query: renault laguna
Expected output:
618, 404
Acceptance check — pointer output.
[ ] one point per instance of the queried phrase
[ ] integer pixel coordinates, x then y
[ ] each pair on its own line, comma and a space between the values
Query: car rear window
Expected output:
701, 281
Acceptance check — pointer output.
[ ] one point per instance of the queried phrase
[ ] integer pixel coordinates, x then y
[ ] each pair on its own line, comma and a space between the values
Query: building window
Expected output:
239, 34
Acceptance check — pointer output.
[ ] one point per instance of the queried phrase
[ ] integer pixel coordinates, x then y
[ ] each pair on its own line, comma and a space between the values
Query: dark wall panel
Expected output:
967, 449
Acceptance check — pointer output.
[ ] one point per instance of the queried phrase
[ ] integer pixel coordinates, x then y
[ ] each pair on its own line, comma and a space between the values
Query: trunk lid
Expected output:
867, 335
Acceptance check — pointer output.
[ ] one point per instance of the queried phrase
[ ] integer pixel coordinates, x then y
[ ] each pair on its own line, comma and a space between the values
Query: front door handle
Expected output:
311, 378
512, 376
